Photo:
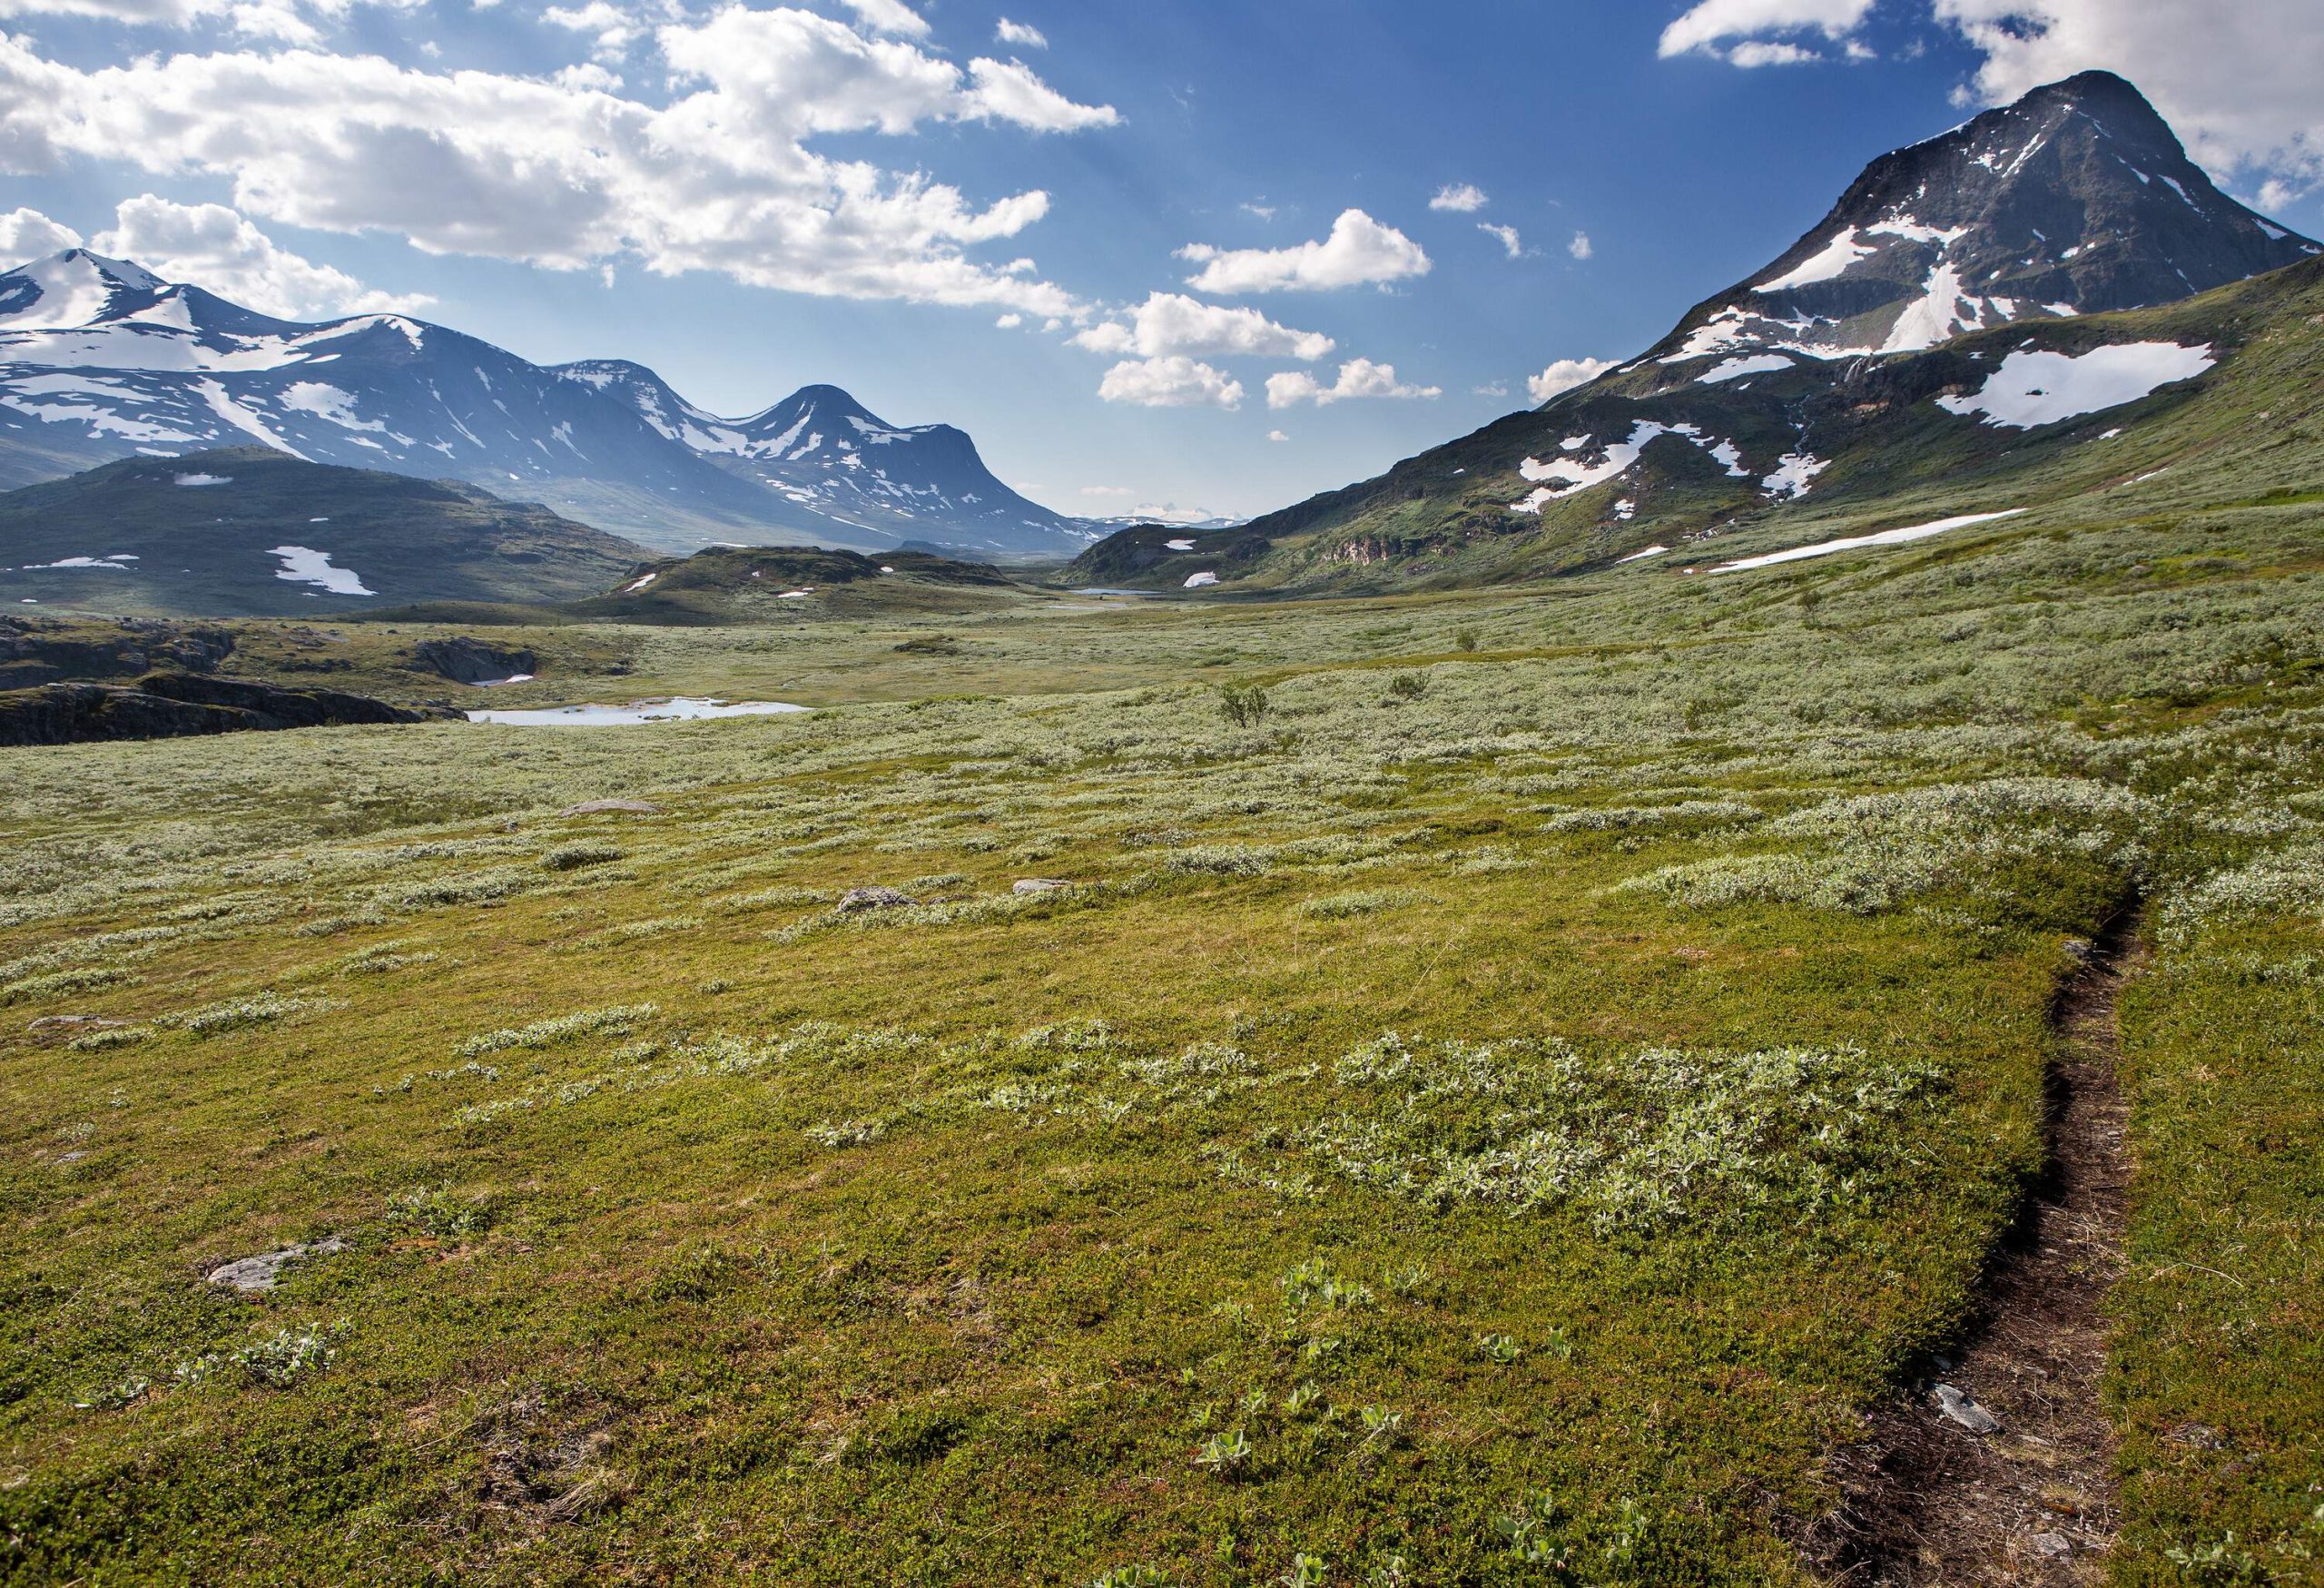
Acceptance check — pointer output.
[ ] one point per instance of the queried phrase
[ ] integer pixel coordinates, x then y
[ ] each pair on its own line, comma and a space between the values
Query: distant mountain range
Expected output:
252, 531
100, 358
1946, 307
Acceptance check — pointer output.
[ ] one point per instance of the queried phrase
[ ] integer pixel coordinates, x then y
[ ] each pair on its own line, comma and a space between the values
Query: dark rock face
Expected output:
471, 661
32, 653
162, 706
2076, 199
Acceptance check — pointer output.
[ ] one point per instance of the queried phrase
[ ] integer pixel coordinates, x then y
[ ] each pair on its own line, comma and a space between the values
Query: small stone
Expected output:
856, 901
2051, 1546
605, 808
1958, 1407
261, 1272
2197, 1435
1038, 886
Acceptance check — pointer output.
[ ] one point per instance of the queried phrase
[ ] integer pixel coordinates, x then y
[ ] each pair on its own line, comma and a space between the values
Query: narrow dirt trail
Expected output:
2027, 1497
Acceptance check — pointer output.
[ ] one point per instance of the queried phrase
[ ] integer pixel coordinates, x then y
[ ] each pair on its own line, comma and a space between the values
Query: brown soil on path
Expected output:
1928, 1503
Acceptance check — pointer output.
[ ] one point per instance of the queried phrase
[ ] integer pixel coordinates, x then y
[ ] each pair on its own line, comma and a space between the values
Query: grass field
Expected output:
1493, 1106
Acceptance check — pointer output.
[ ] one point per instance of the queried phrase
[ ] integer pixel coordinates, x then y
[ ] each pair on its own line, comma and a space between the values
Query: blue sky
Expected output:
525, 170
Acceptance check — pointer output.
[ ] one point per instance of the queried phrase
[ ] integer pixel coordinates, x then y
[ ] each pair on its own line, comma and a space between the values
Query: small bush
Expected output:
1408, 685
1244, 705
568, 857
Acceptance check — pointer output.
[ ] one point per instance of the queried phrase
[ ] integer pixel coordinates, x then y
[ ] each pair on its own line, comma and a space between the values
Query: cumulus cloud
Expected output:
1172, 322
1564, 376
571, 175
1463, 198
1175, 381
1107, 490
1708, 27
1357, 378
1359, 250
612, 28
1508, 235
1579, 247
889, 16
217, 248
1023, 34
27, 234
297, 22
1277, 436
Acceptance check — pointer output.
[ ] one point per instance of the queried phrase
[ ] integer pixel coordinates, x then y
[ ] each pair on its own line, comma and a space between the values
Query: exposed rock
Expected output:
607, 807
856, 901
2050, 1546
1038, 884
1959, 1408
471, 661
34, 652
163, 705
261, 1272
78, 1022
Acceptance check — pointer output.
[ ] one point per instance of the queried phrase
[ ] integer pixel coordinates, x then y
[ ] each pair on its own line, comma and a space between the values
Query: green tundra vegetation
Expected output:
1511, 1077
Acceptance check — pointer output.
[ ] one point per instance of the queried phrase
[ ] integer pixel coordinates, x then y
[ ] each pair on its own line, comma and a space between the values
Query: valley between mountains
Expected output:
1719, 982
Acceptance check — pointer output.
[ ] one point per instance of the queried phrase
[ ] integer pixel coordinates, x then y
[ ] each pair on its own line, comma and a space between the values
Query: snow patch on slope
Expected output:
2033, 388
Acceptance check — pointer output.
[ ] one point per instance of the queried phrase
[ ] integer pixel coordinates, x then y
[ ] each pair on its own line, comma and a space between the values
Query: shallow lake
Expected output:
681, 709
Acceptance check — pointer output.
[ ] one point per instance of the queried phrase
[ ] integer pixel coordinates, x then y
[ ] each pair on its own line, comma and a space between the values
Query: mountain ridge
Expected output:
102, 359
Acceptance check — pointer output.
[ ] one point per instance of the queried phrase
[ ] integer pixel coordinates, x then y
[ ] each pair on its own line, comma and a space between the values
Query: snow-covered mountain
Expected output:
100, 358
827, 454
1831, 368
2076, 200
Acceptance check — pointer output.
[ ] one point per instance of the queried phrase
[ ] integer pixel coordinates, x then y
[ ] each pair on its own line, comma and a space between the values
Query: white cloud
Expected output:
1022, 34
1107, 490
1263, 211
614, 28
1172, 322
1463, 198
212, 247
2237, 80
1169, 382
27, 234
573, 176
889, 16
1771, 53
1580, 246
1277, 436
298, 22
1491, 389
1508, 235
1359, 250
1357, 378
1713, 22
1564, 376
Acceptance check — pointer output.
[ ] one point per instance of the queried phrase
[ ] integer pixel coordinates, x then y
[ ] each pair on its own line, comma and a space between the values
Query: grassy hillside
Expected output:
1497, 1109
764, 584
196, 536
1444, 518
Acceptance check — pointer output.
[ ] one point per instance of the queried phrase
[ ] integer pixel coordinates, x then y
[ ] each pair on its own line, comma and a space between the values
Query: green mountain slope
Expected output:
247, 531
1888, 441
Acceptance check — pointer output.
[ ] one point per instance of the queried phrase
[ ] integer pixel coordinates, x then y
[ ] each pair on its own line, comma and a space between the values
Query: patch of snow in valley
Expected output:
1198, 581
1639, 556
1856, 542
633, 589
1178, 544
209, 479
114, 560
1795, 471
2033, 389
302, 564
1934, 316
